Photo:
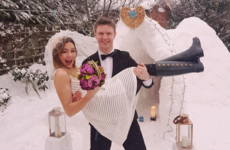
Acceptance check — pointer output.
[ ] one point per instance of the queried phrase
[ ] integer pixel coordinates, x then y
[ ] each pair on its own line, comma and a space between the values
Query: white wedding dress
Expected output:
112, 109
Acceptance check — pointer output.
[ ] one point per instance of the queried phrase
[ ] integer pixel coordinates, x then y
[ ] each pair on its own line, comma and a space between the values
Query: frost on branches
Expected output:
216, 13
4, 96
36, 78
50, 12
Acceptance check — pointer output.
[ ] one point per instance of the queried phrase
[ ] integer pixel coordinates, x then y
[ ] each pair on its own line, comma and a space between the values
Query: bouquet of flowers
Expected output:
91, 75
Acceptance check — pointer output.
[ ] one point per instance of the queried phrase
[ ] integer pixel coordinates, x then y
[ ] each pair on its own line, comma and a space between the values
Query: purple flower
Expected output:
84, 84
103, 76
90, 70
84, 68
93, 82
86, 65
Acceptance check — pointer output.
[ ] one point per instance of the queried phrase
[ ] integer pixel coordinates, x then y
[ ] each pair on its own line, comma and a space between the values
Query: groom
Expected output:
114, 61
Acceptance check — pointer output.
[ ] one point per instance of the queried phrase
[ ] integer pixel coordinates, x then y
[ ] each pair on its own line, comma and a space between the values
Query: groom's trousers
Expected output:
134, 140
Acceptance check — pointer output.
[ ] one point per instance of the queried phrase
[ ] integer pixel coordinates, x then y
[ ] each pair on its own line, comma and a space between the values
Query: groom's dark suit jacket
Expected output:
121, 61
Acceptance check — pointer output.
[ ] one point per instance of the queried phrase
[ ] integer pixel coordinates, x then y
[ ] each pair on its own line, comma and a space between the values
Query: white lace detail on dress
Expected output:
75, 86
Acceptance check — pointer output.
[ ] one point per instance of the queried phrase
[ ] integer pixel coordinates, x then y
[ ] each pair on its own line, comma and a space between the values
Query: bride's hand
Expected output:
91, 93
77, 96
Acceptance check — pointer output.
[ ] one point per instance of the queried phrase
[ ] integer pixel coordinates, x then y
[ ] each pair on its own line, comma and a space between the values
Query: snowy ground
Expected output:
24, 122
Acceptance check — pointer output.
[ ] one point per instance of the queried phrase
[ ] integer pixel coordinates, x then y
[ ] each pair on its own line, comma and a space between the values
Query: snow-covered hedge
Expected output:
4, 96
36, 78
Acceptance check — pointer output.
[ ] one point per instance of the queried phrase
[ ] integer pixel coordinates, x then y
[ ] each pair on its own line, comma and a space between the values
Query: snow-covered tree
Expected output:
215, 12
48, 12
34, 11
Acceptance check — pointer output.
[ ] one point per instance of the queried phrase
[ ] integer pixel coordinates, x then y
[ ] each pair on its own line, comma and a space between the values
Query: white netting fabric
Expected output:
112, 110
53, 41
85, 47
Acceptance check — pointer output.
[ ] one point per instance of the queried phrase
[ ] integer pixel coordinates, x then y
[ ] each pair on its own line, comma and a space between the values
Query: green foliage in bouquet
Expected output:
36, 78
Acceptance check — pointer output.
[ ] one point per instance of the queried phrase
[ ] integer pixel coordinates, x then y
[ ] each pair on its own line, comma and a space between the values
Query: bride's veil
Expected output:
85, 46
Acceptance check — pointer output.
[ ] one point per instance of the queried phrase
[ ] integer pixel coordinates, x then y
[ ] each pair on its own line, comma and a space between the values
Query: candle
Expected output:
57, 131
57, 127
186, 142
153, 113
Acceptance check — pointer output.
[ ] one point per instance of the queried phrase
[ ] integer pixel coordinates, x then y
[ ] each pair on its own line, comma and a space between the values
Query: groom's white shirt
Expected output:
107, 64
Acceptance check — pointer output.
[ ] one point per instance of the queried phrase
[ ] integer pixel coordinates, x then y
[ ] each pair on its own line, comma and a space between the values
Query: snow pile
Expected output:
150, 42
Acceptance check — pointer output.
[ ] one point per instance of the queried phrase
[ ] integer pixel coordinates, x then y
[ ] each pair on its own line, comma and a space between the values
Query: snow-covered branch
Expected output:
215, 13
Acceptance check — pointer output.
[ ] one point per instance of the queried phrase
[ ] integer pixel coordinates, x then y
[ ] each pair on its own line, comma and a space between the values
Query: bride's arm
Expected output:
62, 84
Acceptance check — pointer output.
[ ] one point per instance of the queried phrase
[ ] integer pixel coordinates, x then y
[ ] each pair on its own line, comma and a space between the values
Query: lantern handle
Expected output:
182, 118
177, 120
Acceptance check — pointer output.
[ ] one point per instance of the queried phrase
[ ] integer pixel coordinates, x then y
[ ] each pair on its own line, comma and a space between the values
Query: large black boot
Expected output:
194, 52
182, 63
172, 68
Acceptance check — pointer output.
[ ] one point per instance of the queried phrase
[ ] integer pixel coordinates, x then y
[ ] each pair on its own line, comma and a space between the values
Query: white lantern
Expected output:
184, 133
57, 125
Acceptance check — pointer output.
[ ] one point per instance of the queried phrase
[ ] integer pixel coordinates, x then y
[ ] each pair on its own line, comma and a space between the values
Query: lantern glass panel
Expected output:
184, 136
57, 124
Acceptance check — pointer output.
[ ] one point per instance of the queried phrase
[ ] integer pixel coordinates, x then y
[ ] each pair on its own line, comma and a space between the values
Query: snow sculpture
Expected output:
150, 42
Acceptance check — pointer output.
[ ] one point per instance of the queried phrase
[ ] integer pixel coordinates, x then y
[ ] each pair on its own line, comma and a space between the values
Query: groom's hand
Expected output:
141, 72
76, 96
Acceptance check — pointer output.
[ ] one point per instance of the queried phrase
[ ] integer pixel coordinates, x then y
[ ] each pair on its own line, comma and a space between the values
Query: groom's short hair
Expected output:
104, 21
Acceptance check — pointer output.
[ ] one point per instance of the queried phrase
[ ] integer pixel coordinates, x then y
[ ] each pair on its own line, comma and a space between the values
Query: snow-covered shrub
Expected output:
36, 78
4, 96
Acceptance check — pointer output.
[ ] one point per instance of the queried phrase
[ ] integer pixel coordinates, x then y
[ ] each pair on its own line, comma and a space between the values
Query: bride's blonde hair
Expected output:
57, 62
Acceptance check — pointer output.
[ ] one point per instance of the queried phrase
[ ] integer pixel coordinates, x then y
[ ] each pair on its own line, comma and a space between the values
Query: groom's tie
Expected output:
103, 57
